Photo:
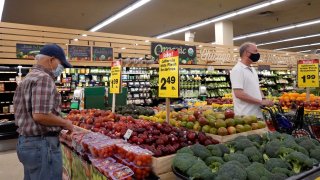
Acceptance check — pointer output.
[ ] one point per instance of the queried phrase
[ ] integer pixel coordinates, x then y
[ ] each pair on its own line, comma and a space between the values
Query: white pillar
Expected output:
189, 36
224, 33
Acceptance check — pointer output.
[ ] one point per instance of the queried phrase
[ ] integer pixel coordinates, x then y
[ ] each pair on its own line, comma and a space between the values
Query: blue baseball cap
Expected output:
56, 51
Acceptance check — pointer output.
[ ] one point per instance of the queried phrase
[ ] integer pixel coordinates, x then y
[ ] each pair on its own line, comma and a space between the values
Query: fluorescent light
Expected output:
252, 8
304, 51
289, 39
119, 14
283, 28
293, 47
1, 8
146, 41
258, 34
220, 18
76, 39
123, 48
308, 23
84, 35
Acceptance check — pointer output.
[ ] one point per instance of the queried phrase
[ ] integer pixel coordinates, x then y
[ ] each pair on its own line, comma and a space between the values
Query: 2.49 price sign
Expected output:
308, 73
115, 79
169, 74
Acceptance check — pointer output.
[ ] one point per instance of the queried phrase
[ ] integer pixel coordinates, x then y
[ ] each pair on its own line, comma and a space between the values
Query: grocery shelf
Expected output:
7, 81
3, 114
3, 92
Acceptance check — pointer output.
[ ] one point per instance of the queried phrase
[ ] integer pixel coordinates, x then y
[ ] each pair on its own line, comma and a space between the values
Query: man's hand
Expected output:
266, 102
68, 125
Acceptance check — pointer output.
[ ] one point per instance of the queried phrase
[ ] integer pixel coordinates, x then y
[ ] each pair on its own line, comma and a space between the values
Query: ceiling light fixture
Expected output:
76, 39
289, 39
292, 47
305, 51
84, 35
1, 8
283, 28
119, 14
220, 18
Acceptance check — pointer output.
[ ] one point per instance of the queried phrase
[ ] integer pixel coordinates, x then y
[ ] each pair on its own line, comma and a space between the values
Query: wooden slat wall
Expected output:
135, 46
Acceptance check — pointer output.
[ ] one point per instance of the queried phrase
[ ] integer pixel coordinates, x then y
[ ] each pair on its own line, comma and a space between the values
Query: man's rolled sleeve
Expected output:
42, 96
236, 77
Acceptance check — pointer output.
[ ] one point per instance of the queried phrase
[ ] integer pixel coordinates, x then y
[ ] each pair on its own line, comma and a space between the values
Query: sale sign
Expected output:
115, 79
308, 73
169, 74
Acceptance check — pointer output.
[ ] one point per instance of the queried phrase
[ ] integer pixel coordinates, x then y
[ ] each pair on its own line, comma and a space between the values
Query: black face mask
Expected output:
254, 57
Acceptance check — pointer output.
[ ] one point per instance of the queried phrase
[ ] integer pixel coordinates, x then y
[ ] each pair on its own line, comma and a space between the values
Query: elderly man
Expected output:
247, 96
37, 108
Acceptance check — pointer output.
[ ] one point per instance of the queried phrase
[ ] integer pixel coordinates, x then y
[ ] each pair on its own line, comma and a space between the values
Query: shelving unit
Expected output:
275, 82
8, 128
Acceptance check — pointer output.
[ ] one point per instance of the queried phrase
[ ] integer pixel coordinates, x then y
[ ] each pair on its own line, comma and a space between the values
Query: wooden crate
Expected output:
162, 165
168, 176
227, 138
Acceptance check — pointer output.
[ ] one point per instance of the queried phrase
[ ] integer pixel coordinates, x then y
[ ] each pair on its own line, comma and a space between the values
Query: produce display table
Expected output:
76, 167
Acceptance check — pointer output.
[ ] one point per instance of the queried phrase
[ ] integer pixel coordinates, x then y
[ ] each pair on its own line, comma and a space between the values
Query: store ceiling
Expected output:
160, 16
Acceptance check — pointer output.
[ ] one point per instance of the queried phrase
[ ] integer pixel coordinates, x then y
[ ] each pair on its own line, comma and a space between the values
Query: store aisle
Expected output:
10, 167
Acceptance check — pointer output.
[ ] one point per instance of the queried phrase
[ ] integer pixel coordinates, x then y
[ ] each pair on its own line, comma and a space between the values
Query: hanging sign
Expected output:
102, 53
79, 53
187, 54
169, 74
27, 51
308, 73
115, 79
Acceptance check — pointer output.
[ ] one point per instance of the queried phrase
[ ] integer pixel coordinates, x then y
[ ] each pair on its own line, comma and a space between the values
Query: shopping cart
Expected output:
291, 122
312, 120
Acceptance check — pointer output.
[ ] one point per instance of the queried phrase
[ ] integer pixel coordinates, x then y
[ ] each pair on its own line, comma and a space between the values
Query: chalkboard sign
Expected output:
102, 53
79, 53
27, 51
187, 54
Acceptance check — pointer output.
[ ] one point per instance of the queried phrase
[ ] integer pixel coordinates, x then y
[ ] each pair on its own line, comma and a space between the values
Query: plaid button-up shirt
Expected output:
37, 93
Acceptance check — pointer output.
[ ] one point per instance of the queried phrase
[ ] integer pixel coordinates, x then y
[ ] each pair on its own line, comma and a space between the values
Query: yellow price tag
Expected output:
308, 73
169, 74
115, 79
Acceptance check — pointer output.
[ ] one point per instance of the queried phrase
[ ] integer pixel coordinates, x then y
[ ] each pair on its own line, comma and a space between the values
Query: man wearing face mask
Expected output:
37, 108
247, 96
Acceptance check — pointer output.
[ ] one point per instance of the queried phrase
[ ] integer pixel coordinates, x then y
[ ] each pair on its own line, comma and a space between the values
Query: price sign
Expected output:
115, 79
169, 74
308, 73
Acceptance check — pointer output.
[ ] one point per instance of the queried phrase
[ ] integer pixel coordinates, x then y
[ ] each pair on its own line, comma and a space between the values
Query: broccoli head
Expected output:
199, 170
307, 144
224, 149
257, 171
200, 151
276, 162
316, 142
239, 145
231, 170
315, 153
283, 152
272, 147
212, 159
237, 157
289, 143
283, 171
255, 138
278, 176
184, 161
215, 150
253, 154
185, 150
299, 161
300, 139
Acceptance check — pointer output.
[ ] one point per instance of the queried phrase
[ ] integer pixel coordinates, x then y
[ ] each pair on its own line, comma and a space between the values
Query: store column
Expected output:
189, 36
224, 33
